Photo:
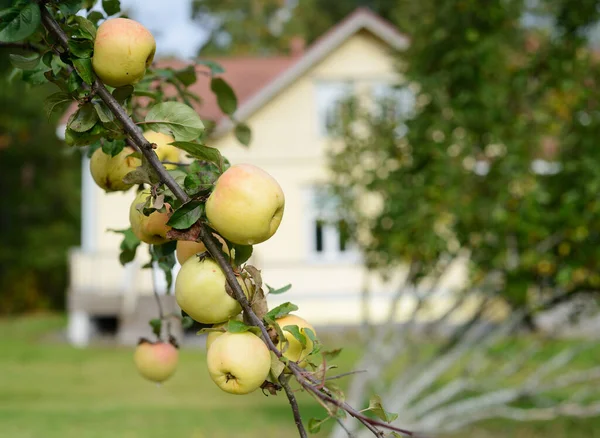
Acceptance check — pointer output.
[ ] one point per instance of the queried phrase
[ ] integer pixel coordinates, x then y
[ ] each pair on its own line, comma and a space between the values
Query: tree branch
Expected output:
294, 404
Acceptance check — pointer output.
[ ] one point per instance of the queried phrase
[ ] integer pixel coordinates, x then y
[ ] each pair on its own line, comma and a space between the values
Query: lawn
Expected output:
50, 390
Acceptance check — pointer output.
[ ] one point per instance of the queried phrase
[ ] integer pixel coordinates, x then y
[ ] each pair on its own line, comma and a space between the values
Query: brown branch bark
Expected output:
294, 404
135, 134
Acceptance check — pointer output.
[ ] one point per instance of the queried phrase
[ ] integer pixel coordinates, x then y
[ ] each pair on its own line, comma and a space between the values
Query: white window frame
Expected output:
328, 95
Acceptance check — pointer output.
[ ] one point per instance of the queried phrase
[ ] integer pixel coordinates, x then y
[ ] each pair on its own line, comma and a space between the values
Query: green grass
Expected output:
51, 390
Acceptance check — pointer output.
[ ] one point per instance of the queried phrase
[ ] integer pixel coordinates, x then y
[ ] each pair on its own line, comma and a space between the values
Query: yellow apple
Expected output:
295, 351
246, 205
238, 362
150, 229
214, 335
164, 150
108, 172
187, 248
200, 291
156, 361
123, 49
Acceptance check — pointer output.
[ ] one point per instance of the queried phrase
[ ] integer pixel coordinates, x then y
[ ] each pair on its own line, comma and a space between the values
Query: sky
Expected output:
171, 24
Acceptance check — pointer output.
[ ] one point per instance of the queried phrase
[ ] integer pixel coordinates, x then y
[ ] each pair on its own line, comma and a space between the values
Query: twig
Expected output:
136, 136
161, 313
294, 404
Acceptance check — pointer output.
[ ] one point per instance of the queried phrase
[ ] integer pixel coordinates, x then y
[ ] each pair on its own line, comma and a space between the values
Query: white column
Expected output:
88, 208
79, 328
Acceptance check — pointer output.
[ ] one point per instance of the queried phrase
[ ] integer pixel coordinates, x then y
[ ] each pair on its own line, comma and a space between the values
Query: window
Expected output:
398, 102
329, 235
330, 98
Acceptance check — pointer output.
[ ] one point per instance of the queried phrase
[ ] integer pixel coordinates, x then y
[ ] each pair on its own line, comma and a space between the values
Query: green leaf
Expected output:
187, 75
84, 69
277, 366
95, 16
156, 325
225, 95
192, 183
111, 7
83, 119
104, 114
186, 215
112, 147
69, 7
214, 67
295, 331
243, 134
81, 48
164, 255
376, 407
177, 119
235, 326
25, 62
314, 424
86, 29
123, 93
73, 138
129, 245
281, 310
187, 322
329, 354
281, 290
57, 64
200, 151
56, 101
242, 253
19, 22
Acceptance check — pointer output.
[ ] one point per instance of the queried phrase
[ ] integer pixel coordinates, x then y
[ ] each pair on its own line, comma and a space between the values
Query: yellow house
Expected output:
288, 107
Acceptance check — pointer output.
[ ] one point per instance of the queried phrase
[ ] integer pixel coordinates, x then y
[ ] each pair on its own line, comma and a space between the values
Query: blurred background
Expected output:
440, 166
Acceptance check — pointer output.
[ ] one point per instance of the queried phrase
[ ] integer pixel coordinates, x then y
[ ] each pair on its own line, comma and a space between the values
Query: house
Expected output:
287, 101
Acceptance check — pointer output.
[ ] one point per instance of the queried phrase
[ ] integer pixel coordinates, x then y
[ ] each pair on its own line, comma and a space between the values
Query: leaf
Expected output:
281, 310
95, 16
330, 354
225, 95
84, 69
25, 62
177, 119
235, 326
187, 322
243, 133
81, 48
56, 101
156, 325
128, 246
104, 114
314, 424
122, 93
214, 67
376, 407
57, 64
112, 148
111, 7
69, 7
277, 366
86, 29
281, 290
187, 75
200, 151
242, 253
186, 215
295, 331
19, 22
83, 119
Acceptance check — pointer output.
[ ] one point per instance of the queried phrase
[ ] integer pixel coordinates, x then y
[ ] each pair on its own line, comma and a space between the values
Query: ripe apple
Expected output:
295, 351
214, 335
156, 361
200, 291
187, 248
238, 362
246, 205
164, 150
108, 172
123, 49
150, 229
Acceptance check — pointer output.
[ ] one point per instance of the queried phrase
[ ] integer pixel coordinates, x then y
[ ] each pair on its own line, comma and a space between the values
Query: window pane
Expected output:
319, 235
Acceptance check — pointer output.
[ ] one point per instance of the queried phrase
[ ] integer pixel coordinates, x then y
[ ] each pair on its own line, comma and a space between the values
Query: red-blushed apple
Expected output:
123, 49
246, 205
200, 291
295, 351
108, 172
164, 150
238, 362
150, 229
156, 361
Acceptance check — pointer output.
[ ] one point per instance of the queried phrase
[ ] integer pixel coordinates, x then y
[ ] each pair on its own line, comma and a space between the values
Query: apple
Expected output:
156, 361
187, 248
150, 229
200, 291
164, 150
123, 49
238, 363
246, 205
108, 172
214, 335
295, 351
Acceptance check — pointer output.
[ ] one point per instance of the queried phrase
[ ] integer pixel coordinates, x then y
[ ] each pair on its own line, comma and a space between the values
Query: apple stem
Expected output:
306, 380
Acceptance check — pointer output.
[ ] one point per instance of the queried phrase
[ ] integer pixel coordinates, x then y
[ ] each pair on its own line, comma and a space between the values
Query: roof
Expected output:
257, 80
